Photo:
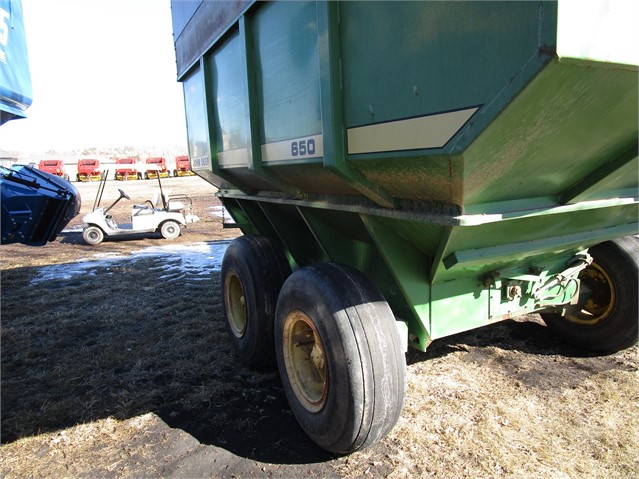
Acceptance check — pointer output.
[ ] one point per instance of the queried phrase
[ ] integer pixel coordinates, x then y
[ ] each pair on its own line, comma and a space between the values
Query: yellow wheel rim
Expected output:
305, 360
235, 303
601, 303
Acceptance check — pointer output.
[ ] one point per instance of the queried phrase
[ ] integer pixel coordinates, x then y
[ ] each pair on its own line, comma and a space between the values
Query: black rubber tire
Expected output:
93, 235
618, 327
253, 271
362, 367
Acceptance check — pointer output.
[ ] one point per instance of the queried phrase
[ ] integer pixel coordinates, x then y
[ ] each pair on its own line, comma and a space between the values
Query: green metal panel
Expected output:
228, 92
241, 218
433, 179
249, 77
615, 177
311, 178
408, 60
529, 238
409, 269
571, 119
285, 45
197, 126
472, 301
331, 89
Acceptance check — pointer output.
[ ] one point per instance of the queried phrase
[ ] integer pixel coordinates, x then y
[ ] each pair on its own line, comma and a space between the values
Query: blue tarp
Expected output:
15, 79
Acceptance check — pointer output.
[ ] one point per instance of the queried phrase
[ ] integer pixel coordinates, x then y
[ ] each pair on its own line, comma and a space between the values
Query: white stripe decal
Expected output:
292, 150
431, 131
231, 158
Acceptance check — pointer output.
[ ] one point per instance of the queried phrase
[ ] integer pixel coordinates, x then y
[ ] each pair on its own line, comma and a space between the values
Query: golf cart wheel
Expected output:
340, 357
93, 235
605, 320
170, 229
253, 271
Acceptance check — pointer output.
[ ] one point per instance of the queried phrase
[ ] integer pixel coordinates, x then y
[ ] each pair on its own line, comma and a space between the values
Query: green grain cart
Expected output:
404, 171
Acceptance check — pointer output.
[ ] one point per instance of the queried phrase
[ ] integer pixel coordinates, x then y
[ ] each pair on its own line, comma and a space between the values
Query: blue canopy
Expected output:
15, 80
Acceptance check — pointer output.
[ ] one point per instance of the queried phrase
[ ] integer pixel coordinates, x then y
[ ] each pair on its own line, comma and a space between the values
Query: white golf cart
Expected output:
165, 213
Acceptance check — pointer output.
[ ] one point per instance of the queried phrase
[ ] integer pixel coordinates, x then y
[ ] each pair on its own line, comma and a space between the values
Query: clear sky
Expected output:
103, 75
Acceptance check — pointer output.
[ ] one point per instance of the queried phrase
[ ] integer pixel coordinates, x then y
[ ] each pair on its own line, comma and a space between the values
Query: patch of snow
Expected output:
221, 212
77, 229
181, 262
218, 211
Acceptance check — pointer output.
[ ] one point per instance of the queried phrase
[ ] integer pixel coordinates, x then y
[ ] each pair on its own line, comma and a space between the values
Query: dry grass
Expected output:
124, 373
104, 339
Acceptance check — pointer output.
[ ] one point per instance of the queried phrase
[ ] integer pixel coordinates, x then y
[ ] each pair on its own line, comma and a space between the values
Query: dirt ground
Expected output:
126, 372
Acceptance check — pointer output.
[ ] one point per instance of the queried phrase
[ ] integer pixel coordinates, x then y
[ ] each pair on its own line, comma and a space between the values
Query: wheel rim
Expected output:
93, 235
235, 304
305, 360
601, 302
170, 230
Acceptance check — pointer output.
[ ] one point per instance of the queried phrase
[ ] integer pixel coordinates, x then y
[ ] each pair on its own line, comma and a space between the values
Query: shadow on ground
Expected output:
124, 340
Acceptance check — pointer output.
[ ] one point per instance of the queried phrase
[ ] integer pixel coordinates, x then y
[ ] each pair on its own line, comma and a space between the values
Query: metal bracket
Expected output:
562, 281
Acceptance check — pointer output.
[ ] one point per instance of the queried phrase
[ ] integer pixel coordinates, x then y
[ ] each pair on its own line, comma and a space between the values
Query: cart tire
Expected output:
93, 235
339, 356
607, 322
170, 229
253, 271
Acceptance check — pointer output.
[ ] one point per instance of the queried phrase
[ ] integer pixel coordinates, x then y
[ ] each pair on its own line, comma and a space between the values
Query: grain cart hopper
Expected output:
404, 171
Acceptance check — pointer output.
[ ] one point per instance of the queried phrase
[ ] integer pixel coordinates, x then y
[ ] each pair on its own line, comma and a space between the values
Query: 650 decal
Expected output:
303, 148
